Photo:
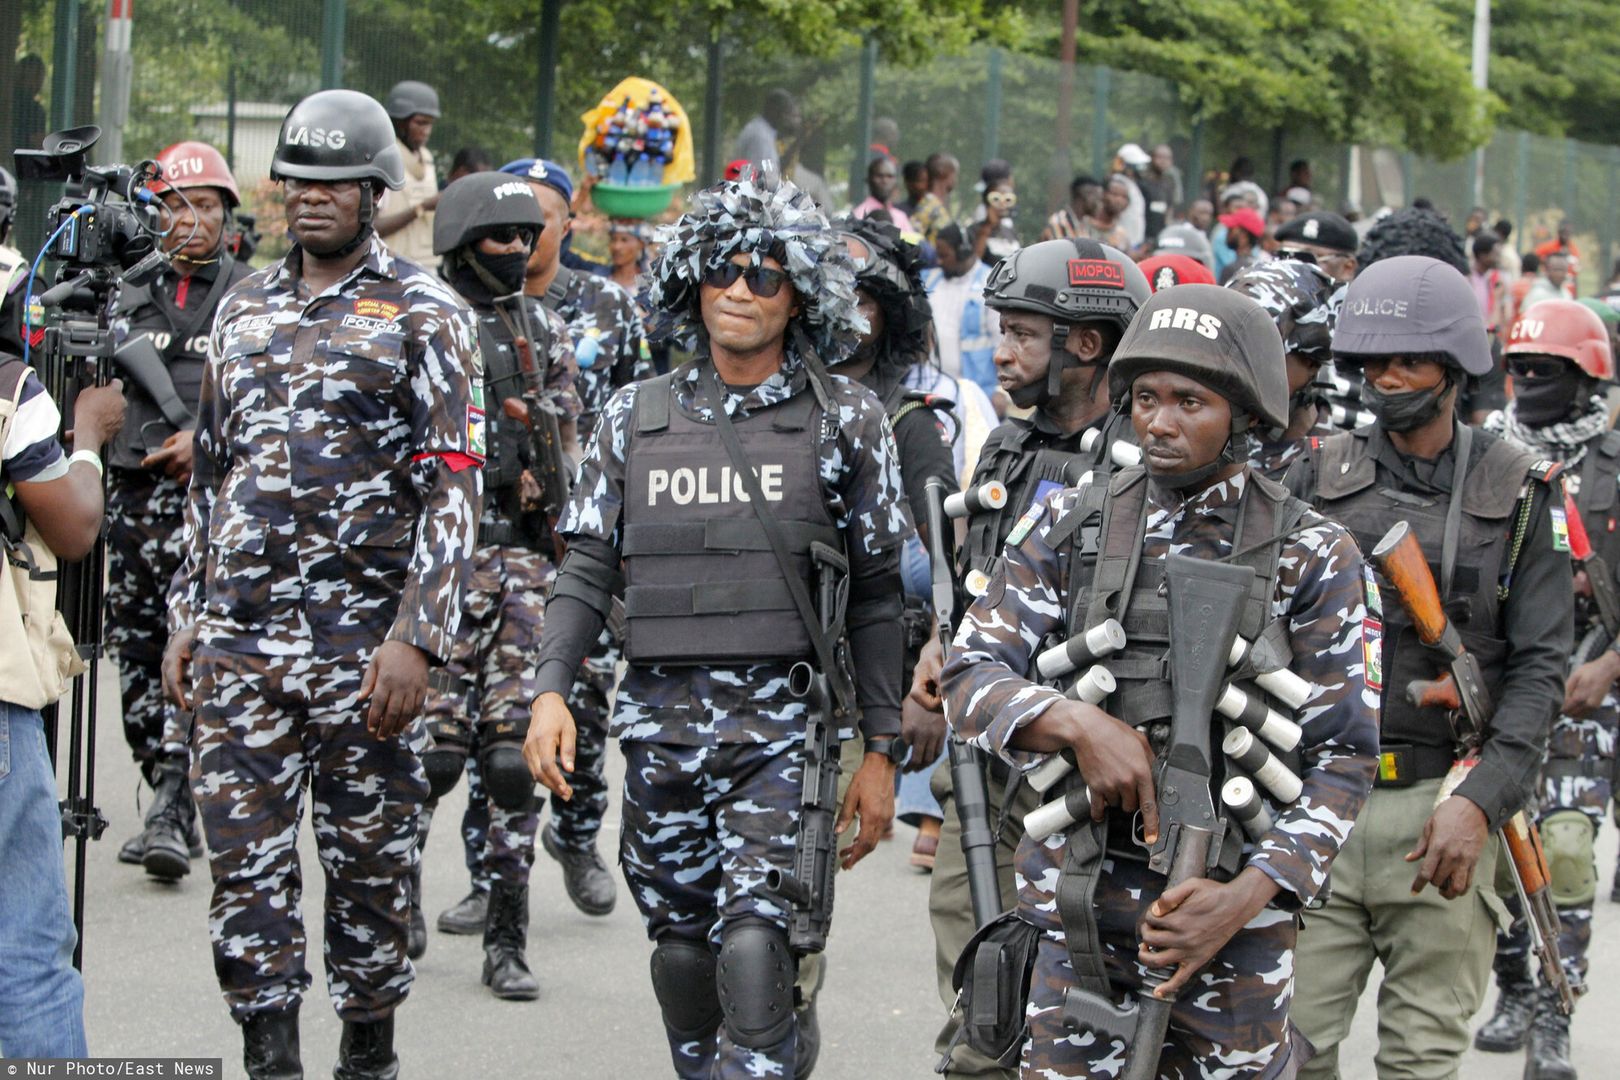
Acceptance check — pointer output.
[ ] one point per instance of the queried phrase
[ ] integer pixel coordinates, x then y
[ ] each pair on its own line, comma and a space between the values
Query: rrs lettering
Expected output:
1186, 318
701, 485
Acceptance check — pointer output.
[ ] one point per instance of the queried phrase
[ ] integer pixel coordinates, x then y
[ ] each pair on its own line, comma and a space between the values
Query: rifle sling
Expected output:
1453, 533
191, 318
773, 533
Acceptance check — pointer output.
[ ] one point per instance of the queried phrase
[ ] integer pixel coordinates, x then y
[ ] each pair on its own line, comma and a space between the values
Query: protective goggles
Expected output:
1536, 367
505, 234
762, 281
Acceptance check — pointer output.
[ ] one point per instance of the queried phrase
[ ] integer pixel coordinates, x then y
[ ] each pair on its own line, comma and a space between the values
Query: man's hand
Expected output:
98, 415
174, 456
431, 203
870, 798
1452, 839
396, 684
1116, 761
551, 737
1589, 684
925, 677
1193, 921
177, 666
923, 731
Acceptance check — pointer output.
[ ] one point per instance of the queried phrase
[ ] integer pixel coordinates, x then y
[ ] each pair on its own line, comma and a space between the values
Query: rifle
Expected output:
1399, 559
1598, 575
547, 463
1206, 601
970, 790
808, 889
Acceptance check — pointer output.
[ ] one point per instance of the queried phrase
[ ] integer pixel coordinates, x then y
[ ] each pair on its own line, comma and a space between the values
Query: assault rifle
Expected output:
1206, 601
967, 765
1399, 559
548, 463
1598, 574
809, 887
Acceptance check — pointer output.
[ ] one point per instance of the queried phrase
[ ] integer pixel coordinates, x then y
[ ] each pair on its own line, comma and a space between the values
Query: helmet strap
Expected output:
368, 211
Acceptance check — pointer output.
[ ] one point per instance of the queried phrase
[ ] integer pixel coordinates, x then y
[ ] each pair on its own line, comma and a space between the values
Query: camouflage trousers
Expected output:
702, 827
145, 527
492, 667
1578, 776
267, 728
1230, 1021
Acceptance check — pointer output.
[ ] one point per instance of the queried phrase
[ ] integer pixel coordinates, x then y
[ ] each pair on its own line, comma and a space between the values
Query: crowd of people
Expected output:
832, 512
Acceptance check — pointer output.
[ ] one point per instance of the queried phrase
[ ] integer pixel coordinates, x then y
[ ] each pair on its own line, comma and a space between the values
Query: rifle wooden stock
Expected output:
1522, 839
1398, 558
1438, 693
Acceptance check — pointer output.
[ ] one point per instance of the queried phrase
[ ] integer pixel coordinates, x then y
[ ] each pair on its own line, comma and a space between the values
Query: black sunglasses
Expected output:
762, 281
1536, 367
1297, 255
505, 234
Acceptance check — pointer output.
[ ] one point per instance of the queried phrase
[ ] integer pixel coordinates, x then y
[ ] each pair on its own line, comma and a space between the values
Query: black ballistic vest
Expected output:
702, 585
181, 337
507, 442
1348, 491
1596, 498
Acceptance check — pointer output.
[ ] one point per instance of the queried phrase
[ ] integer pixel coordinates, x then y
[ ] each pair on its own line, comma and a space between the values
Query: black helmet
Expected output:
409, 98
1074, 280
338, 135
1218, 336
478, 202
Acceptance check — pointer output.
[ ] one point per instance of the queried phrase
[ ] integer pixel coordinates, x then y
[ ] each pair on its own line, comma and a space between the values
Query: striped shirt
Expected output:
32, 452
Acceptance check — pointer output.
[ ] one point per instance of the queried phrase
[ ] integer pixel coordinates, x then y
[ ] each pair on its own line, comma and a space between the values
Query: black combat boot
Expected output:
366, 1051
1548, 1056
167, 855
589, 884
416, 941
1509, 1027
467, 917
506, 933
270, 1046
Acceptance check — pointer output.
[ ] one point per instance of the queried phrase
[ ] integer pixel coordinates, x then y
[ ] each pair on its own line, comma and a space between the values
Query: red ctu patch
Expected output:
1098, 272
376, 309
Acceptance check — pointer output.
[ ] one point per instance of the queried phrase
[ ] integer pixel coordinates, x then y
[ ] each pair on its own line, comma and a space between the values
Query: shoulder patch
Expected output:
476, 442
1372, 633
1545, 470
1560, 528
1020, 532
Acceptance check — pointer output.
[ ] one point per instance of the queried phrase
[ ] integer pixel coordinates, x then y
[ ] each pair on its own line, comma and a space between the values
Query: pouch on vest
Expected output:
991, 979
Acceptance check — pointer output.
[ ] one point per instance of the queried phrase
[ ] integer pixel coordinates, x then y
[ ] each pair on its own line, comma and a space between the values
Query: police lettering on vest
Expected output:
1184, 318
686, 485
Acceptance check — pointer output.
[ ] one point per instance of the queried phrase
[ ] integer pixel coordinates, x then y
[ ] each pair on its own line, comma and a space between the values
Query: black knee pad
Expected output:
505, 774
444, 763
683, 982
755, 981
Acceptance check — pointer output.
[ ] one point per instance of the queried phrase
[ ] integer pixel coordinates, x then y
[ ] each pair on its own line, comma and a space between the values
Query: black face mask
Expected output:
1405, 412
1546, 401
506, 271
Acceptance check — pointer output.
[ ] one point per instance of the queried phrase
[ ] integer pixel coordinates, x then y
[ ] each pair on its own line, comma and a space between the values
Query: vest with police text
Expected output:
702, 585
1348, 491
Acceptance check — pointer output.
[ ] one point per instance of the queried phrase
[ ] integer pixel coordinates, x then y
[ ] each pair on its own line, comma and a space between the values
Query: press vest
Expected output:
37, 656
1348, 491
181, 337
702, 585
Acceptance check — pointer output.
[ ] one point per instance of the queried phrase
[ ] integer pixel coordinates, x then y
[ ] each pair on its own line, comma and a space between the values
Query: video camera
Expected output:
108, 221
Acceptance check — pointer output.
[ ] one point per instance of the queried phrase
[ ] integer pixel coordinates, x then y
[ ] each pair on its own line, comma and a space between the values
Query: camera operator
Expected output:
162, 333
52, 508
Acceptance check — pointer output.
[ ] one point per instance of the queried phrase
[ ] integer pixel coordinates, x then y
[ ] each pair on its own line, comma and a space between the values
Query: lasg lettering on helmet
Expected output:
685, 486
335, 138
1185, 318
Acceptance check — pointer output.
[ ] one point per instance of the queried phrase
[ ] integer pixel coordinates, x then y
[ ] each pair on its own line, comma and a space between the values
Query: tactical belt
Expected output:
1566, 767
1404, 764
507, 534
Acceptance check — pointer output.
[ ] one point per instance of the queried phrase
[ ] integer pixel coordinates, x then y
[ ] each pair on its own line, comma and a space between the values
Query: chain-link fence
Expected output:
227, 70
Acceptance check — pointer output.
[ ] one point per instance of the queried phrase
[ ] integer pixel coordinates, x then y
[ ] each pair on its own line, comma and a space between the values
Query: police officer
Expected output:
406, 221
1303, 302
714, 740
1197, 369
329, 528
162, 333
484, 229
1057, 338
1558, 354
1483, 511
610, 348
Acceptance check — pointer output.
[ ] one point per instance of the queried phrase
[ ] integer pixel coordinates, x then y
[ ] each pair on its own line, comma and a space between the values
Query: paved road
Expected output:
151, 987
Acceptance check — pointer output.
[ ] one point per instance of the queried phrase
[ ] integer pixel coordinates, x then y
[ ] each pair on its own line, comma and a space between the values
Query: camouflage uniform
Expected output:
1233, 1019
145, 509
331, 509
714, 753
1273, 459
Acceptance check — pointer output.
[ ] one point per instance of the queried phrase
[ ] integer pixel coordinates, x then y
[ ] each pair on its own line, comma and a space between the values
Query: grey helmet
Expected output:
1188, 240
338, 135
410, 98
1073, 281
1413, 304
479, 202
